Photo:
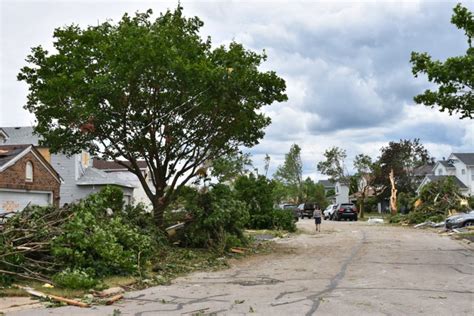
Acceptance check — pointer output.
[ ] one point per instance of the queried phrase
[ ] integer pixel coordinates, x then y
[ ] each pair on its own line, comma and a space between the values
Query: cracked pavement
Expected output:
349, 268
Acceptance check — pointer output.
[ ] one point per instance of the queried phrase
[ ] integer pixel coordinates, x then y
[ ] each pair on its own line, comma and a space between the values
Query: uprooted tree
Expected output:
149, 89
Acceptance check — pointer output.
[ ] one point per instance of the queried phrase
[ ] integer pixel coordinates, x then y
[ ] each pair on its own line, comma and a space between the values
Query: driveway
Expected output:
350, 268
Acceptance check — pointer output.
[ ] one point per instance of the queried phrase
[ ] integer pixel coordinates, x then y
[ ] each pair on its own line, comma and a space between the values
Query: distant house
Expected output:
111, 167
458, 166
328, 185
80, 178
26, 177
341, 190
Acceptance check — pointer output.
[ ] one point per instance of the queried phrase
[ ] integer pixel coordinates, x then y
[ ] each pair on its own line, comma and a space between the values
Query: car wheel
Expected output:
468, 223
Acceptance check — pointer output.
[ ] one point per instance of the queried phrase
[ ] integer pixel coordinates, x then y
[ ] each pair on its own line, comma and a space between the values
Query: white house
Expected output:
341, 190
459, 166
113, 168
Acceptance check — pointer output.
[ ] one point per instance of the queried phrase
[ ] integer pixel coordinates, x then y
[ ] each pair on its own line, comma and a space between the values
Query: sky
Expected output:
345, 63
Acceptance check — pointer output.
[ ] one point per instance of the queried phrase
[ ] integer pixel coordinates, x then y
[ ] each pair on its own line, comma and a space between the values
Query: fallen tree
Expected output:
73, 246
436, 201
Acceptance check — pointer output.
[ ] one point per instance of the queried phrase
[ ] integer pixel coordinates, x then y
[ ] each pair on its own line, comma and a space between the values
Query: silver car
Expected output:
460, 220
329, 211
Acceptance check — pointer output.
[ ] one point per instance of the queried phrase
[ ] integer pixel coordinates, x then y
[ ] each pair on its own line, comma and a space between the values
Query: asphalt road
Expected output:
350, 268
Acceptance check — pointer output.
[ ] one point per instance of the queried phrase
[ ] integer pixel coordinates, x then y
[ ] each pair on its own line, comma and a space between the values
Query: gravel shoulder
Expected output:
349, 268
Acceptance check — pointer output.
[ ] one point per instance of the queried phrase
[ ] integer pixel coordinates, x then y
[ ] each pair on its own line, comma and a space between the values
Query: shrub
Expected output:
218, 220
75, 279
283, 219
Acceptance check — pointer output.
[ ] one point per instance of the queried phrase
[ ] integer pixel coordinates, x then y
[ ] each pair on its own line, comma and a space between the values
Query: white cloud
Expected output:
346, 65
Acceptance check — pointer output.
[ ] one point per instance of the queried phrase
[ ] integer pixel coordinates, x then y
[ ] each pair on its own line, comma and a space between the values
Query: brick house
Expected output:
26, 177
79, 177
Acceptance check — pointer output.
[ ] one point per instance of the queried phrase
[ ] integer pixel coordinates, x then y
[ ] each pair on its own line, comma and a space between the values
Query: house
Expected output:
341, 194
112, 167
328, 185
459, 166
26, 177
79, 177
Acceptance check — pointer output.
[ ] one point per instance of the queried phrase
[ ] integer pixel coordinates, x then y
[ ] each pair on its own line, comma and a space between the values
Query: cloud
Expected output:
346, 65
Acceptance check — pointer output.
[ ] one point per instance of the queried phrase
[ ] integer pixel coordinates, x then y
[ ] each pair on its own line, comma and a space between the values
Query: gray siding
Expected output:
65, 166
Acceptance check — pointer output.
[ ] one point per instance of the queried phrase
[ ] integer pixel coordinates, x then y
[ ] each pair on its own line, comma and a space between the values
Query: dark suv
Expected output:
346, 211
307, 209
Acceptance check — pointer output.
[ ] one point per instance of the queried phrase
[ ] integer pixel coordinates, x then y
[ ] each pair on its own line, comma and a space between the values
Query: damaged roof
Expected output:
112, 165
10, 152
21, 135
458, 182
94, 176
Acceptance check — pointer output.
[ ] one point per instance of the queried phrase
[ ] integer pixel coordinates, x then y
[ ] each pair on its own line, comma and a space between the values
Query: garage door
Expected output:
17, 200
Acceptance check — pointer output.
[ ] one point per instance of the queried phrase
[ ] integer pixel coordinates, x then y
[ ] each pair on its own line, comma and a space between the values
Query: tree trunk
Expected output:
393, 196
159, 207
361, 207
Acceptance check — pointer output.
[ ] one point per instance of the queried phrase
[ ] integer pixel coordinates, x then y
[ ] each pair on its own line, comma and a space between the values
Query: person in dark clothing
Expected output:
317, 214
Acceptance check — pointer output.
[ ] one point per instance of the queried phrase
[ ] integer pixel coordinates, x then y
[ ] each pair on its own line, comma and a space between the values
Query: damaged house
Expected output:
26, 177
458, 166
79, 176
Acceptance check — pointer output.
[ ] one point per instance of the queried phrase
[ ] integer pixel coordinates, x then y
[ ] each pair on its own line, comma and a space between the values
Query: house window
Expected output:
463, 171
440, 172
29, 171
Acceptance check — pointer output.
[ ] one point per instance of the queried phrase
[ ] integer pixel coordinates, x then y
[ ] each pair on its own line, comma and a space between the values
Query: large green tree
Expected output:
403, 157
314, 192
333, 165
291, 173
454, 77
149, 89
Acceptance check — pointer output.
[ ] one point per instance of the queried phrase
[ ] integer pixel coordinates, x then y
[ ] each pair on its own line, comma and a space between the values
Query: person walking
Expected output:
317, 218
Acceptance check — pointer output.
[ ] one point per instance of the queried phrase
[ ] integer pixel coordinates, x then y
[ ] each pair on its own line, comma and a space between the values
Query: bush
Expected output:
75, 279
283, 219
218, 220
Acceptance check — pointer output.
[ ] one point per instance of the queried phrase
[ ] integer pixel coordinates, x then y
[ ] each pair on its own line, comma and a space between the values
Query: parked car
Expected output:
346, 211
294, 208
460, 220
307, 209
329, 211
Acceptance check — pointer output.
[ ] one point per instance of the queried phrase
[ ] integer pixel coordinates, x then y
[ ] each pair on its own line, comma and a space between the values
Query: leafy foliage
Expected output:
291, 173
87, 240
218, 220
230, 166
455, 76
283, 220
149, 89
75, 279
333, 166
313, 192
437, 199
257, 194
403, 157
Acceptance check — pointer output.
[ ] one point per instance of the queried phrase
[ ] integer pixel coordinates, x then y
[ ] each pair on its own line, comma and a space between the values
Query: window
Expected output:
29, 171
463, 171
440, 172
